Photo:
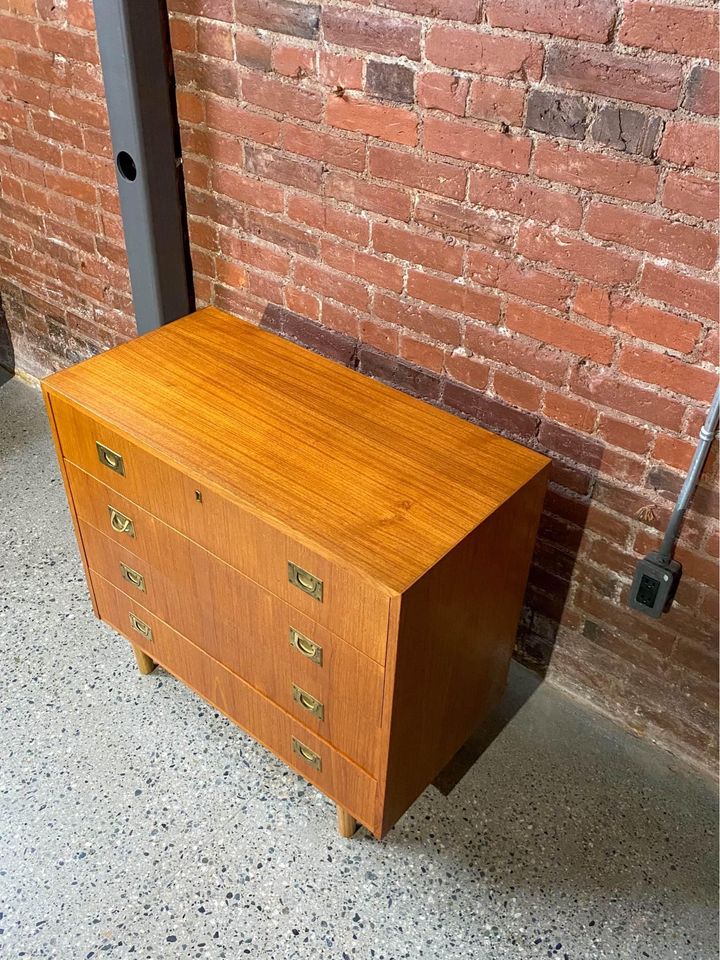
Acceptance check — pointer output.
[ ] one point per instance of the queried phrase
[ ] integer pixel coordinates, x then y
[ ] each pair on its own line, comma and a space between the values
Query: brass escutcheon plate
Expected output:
110, 458
305, 581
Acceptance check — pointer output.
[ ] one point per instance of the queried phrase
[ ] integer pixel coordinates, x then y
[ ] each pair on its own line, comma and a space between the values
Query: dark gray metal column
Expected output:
134, 41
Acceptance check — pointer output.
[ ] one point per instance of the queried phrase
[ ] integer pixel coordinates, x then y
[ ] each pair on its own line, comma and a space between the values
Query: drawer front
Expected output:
324, 682
350, 606
340, 779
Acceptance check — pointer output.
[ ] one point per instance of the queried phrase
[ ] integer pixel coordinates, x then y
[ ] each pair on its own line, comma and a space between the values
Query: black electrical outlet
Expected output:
654, 584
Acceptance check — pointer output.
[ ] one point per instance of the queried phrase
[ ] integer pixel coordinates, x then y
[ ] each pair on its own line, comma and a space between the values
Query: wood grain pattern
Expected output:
340, 779
353, 607
361, 473
455, 638
247, 629
243, 452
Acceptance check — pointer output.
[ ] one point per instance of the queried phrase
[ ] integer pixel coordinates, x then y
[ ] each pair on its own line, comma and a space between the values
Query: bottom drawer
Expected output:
337, 777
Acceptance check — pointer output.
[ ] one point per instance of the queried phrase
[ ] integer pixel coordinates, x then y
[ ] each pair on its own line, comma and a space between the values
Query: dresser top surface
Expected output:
368, 476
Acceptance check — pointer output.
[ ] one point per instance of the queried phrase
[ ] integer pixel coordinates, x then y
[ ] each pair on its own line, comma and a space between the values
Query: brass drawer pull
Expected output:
120, 523
309, 584
141, 627
132, 576
110, 459
308, 702
308, 755
307, 647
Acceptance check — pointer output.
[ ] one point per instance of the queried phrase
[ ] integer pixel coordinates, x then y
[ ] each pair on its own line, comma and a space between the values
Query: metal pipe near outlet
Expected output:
657, 575
136, 57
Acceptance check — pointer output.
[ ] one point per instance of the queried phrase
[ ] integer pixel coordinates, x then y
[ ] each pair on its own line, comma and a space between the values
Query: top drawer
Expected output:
350, 606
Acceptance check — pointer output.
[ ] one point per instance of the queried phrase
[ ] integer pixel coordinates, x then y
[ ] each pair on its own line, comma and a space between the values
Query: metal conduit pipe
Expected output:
657, 575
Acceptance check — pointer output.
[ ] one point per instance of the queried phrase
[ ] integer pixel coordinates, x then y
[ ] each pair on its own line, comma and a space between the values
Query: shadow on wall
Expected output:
7, 353
552, 567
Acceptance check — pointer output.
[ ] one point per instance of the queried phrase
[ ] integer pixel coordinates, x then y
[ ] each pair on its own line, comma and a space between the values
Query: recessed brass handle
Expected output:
307, 647
141, 627
308, 755
121, 523
308, 702
305, 581
110, 458
132, 576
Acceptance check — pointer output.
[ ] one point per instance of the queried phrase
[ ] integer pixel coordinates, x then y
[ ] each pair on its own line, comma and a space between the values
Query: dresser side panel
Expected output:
456, 635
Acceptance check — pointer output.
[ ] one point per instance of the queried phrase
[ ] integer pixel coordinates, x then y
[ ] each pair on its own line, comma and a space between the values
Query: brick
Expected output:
686, 293
538, 360
210, 9
668, 372
214, 39
469, 371
315, 213
406, 244
488, 147
527, 199
691, 31
377, 33
234, 120
675, 453
627, 130
330, 283
489, 413
281, 16
457, 297
68, 44
496, 102
609, 390
435, 177
220, 77
592, 302
282, 97
656, 326
421, 320
274, 165
293, 326
654, 83
79, 110
521, 281
387, 123
246, 190
570, 411
80, 14
273, 230
365, 266
558, 114
578, 256
701, 95
330, 149
461, 221
619, 433
70, 186
517, 392
368, 196
399, 374
626, 179
390, 81
589, 20
252, 52
378, 335
297, 62
565, 334
690, 145
465, 10
642, 231
488, 54
343, 72
422, 354
442, 91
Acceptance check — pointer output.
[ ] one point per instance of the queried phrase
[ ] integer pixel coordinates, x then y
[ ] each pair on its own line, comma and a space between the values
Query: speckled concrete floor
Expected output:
135, 822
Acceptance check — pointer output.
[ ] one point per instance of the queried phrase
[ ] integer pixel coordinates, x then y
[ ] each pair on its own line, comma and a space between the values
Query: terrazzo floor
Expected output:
136, 822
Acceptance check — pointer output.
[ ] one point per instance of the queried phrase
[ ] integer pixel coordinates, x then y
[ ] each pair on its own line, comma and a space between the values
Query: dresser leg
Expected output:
145, 664
347, 824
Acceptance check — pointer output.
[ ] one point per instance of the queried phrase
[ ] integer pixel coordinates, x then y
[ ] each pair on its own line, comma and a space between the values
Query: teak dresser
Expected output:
337, 567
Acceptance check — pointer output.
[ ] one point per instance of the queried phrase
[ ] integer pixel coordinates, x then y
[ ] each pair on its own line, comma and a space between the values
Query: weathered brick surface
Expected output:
506, 208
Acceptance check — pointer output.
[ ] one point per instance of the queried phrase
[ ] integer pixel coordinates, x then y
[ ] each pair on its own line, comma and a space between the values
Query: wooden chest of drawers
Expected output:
337, 567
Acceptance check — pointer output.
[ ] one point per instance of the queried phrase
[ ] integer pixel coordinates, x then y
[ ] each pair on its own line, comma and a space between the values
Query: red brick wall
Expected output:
507, 208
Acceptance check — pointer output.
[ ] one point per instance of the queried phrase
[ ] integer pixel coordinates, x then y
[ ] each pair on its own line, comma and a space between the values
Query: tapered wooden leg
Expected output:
144, 662
347, 824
